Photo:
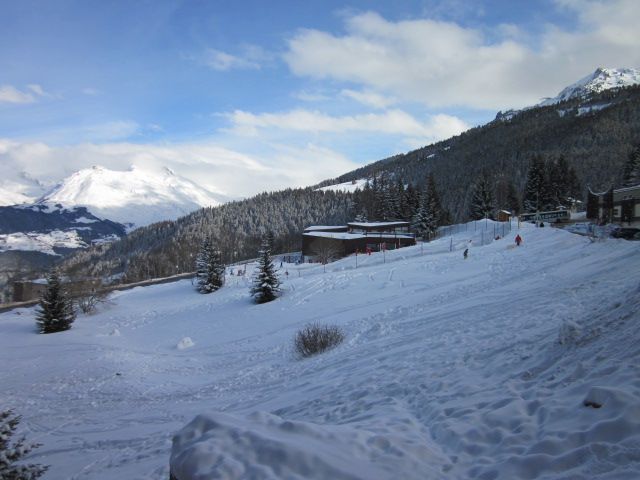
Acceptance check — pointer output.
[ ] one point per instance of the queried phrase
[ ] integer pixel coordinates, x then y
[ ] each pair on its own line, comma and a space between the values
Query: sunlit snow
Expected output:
518, 362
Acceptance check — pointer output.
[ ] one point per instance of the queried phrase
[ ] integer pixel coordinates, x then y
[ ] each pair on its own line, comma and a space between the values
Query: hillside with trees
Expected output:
594, 137
544, 157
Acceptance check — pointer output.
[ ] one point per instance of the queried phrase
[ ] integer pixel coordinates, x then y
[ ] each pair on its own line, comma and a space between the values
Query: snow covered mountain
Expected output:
136, 197
53, 230
600, 80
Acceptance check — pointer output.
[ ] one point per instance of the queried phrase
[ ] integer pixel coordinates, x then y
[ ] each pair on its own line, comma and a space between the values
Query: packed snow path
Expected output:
451, 368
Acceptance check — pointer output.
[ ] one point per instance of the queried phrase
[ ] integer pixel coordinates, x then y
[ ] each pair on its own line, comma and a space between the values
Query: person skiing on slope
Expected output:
518, 240
465, 253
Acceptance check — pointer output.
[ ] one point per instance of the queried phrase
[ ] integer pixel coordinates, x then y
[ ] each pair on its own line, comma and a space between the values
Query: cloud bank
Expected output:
443, 64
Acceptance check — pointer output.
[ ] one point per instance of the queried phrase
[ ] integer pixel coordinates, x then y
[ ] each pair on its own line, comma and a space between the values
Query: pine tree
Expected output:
266, 284
209, 268
513, 202
438, 214
10, 454
631, 173
56, 312
420, 220
482, 200
411, 203
534, 191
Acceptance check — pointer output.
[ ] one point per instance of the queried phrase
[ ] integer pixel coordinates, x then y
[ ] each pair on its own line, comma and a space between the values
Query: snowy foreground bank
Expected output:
451, 368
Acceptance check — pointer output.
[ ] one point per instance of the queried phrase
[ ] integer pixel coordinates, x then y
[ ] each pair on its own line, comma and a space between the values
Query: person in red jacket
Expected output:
518, 240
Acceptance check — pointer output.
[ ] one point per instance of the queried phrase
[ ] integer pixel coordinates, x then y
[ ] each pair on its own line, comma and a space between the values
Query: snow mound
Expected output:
266, 446
185, 343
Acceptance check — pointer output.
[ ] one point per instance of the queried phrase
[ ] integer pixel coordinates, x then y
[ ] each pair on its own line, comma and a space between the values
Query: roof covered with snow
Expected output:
378, 224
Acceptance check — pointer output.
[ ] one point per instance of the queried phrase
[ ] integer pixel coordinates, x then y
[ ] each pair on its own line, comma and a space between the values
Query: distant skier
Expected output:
518, 240
465, 253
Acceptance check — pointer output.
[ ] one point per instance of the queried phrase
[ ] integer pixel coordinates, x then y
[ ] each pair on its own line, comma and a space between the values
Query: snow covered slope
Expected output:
136, 196
485, 368
600, 80
348, 187
52, 229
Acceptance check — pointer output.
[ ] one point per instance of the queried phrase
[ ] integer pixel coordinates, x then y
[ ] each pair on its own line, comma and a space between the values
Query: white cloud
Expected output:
216, 168
10, 94
441, 63
368, 98
222, 61
307, 96
392, 122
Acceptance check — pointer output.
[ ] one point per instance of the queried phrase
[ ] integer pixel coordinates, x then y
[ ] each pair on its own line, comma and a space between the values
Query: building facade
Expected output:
355, 237
620, 206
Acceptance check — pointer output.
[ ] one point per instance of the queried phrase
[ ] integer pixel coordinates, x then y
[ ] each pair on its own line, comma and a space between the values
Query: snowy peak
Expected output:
600, 80
137, 196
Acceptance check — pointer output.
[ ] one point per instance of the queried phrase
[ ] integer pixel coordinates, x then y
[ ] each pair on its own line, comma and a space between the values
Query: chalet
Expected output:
503, 216
620, 205
25, 290
340, 241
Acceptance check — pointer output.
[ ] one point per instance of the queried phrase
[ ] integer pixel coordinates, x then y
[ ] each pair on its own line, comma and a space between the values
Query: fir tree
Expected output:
266, 284
424, 222
631, 173
482, 200
10, 454
411, 202
209, 268
534, 191
56, 312
438, 214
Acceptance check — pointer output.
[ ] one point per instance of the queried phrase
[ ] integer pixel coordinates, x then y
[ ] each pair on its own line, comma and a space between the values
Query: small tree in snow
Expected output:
56, 312
209, 269
325, 249
10, 453
266, 284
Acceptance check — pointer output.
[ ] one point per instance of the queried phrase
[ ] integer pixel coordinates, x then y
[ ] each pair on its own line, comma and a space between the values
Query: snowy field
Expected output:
451, 368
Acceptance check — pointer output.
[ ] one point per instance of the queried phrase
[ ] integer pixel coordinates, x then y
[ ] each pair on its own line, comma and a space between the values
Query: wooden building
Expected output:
340, 241
503, 216
620, 206
25, 290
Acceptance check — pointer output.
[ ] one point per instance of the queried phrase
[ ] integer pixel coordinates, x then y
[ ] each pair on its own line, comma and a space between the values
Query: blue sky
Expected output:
246, 96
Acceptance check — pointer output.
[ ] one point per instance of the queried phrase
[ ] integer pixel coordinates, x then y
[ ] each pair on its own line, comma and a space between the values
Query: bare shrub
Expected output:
87, 302
314, 339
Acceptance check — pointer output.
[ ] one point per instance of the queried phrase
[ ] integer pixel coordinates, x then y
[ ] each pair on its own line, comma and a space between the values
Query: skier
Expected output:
465, 253
518, 240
